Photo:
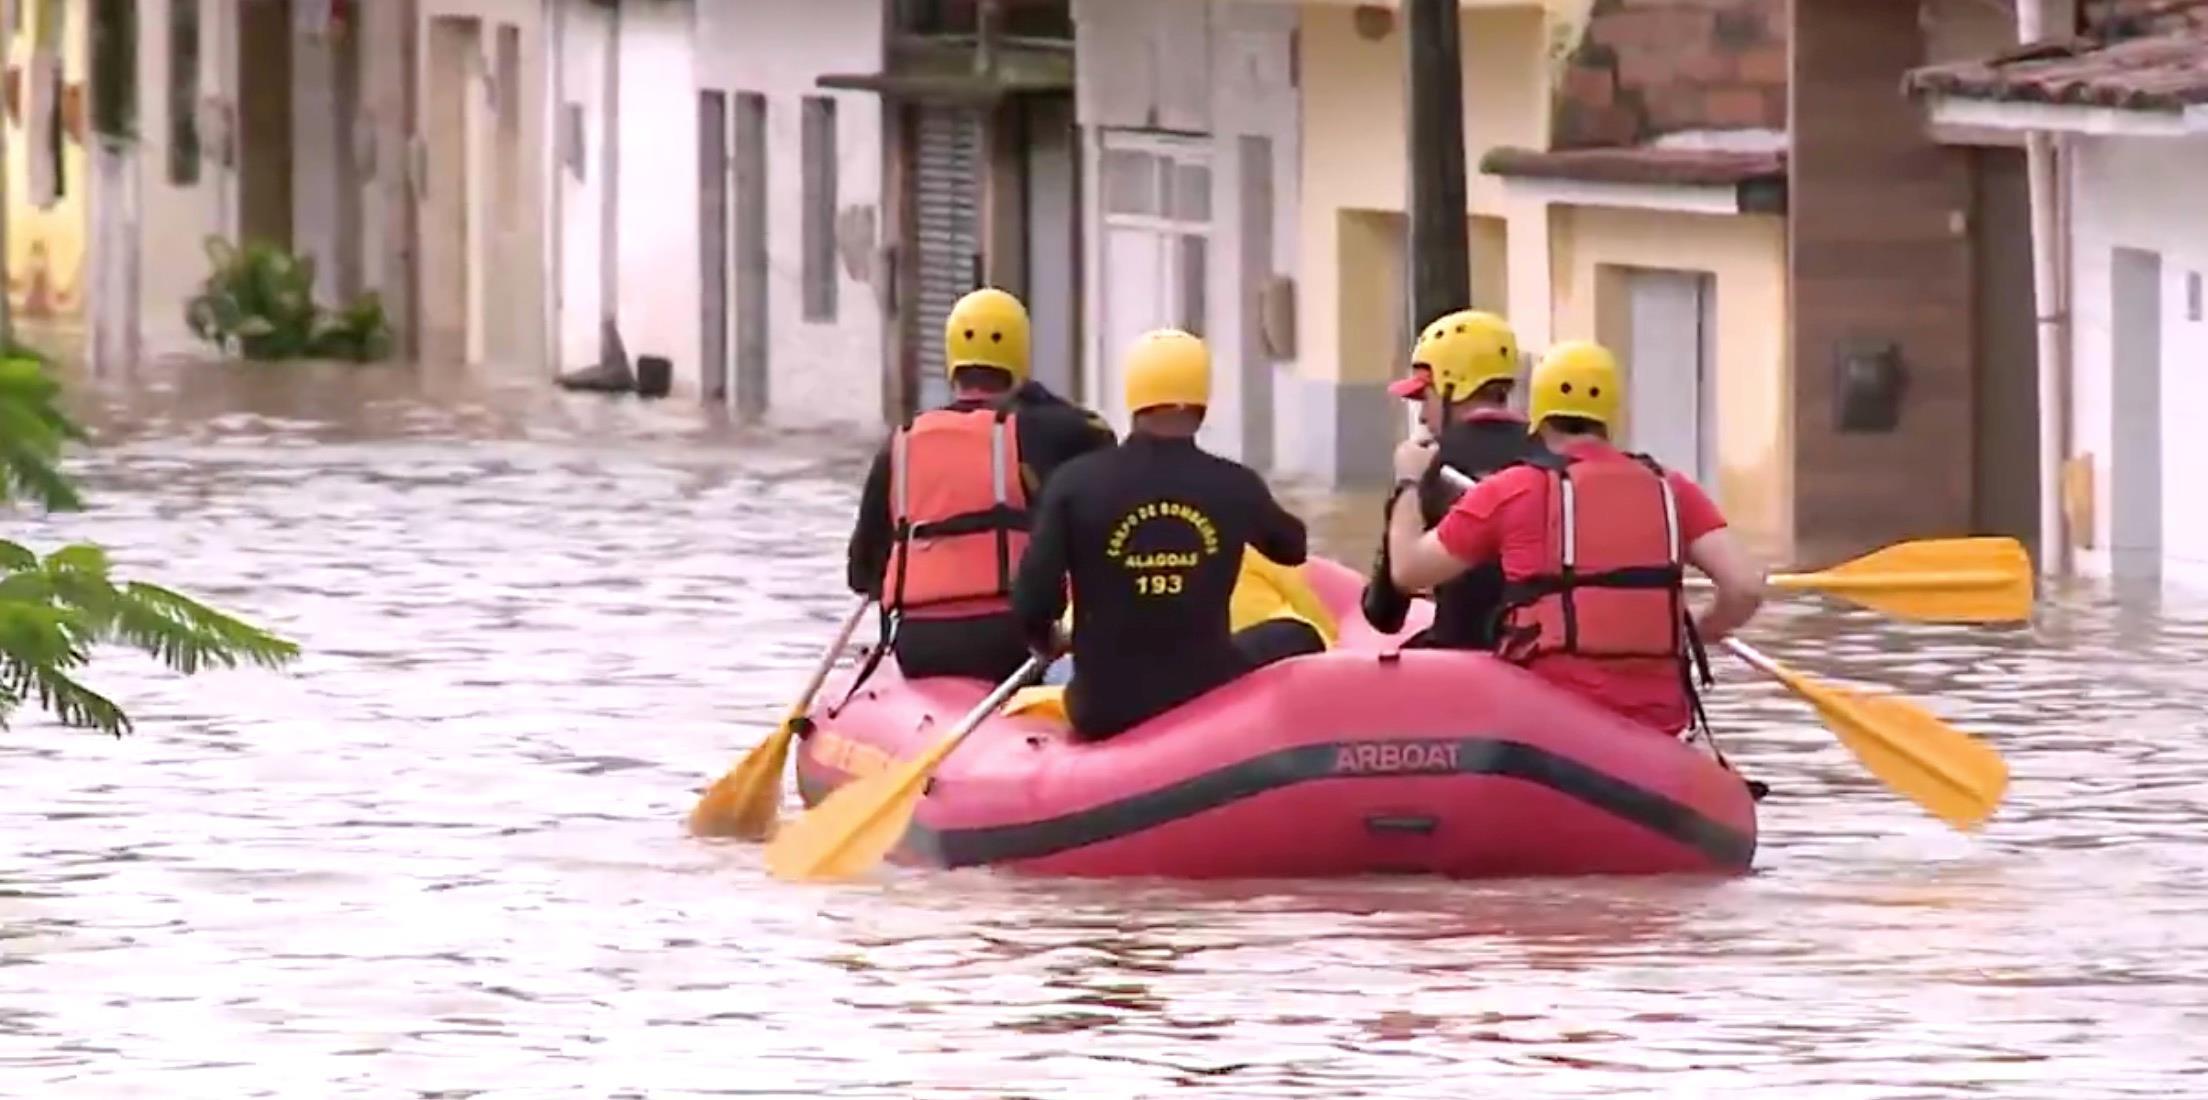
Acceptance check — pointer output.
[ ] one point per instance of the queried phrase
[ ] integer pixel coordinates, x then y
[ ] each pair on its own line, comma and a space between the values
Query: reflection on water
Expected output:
444, 857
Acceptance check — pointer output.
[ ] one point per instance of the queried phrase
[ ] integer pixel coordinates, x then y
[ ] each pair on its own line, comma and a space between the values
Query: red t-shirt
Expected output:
1506, 517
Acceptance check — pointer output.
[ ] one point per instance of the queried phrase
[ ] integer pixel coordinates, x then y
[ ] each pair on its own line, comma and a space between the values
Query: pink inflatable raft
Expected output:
1366, 759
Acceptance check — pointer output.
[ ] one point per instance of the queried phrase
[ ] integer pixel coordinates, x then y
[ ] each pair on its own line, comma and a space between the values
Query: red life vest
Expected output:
958, 508
1612, 586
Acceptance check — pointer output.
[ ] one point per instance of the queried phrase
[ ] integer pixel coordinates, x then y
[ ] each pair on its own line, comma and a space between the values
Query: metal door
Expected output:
946, 204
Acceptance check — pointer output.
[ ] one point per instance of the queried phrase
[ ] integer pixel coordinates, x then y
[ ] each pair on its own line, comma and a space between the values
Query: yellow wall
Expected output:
46, 247
1353, 171
1746, 254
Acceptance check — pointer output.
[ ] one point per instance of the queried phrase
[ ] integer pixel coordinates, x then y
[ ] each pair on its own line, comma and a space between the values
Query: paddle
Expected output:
743, 802
1956, 777
1965, 580
854, 828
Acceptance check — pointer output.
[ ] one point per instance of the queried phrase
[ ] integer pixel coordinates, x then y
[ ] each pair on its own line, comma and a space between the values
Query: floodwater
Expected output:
443, 858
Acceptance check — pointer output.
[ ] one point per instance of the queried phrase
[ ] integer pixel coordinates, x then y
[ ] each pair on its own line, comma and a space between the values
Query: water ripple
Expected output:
442, 858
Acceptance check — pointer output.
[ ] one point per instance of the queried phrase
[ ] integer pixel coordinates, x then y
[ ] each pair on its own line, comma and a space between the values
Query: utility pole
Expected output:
1441, 263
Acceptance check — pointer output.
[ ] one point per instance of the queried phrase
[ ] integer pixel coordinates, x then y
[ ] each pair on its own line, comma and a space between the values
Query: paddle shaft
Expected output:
828, 660
1461, 481
995, 699
1756, 659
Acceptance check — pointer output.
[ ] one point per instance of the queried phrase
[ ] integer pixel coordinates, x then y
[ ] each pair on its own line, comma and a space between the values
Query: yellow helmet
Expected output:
1460, 352
987, 328
1576, 378
1166, 367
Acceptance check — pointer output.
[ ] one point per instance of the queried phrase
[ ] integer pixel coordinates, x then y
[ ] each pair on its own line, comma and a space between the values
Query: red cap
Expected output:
1413, 387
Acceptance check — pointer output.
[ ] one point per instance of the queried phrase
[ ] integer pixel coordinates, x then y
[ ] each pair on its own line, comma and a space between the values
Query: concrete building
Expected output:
1190, 154
978, 180
2123, 97
788, 211
478, 74
1629, 186
259, 120
47, 134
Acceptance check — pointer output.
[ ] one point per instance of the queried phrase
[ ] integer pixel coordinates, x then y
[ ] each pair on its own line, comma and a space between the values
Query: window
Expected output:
184, 94
819, 231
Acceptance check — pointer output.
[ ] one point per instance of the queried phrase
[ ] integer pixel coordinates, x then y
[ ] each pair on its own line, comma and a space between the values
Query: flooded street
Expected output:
444, 858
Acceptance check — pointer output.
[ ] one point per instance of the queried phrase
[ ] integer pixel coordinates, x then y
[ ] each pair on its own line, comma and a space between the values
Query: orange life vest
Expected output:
1612, 586
959, 513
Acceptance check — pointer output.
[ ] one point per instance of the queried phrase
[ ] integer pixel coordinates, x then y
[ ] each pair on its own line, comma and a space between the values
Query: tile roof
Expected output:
2162, 72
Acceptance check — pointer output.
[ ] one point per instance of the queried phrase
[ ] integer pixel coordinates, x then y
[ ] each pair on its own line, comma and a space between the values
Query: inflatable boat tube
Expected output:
1366, 759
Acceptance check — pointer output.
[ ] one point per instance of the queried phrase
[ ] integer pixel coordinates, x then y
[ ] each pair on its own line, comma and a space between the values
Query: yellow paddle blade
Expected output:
1973, 580
1956, 777
743, 802
856, 827
1045, 701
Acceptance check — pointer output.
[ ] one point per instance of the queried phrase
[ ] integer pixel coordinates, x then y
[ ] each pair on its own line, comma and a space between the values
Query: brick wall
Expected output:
1878, 252
1643, 68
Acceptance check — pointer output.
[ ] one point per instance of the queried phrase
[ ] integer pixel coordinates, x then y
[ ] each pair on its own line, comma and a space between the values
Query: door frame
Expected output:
1098, 371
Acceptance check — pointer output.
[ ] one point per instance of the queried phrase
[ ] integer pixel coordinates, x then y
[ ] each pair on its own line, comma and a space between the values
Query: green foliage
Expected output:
54, 609
258, 303
32, 431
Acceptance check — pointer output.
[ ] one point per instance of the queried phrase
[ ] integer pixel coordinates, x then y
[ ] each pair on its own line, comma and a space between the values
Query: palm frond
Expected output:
60, 695
222, 639
53, 610
32, 431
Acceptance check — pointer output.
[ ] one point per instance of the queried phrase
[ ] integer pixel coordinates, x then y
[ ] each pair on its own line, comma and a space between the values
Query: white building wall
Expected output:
581, 35
1222, 71
174, 220
657, 281
658, 188
508, 257
2142, 193
826, 371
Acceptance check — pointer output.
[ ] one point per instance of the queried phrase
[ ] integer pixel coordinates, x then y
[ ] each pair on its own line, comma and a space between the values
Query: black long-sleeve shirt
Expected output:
1465, 608
1050, 433
1151, 534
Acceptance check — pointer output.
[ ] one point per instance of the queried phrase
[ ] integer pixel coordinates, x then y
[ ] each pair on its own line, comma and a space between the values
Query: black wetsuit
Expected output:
1152, 534
1051, 433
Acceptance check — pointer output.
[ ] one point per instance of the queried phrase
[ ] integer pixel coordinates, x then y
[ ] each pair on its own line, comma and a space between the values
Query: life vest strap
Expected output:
1638, 577
1002, 517
1523, 642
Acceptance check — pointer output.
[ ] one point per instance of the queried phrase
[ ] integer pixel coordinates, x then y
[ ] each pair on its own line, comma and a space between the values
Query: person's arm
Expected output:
868, 554
1039, 587
1384, 606
1417, 559
1279, 534
1712, 548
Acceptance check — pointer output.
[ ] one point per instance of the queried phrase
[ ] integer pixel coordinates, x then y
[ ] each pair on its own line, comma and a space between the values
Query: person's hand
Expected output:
1412, 457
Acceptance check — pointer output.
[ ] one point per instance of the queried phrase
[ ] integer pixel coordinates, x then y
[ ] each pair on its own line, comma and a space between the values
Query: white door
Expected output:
1156, 213
1667, 366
